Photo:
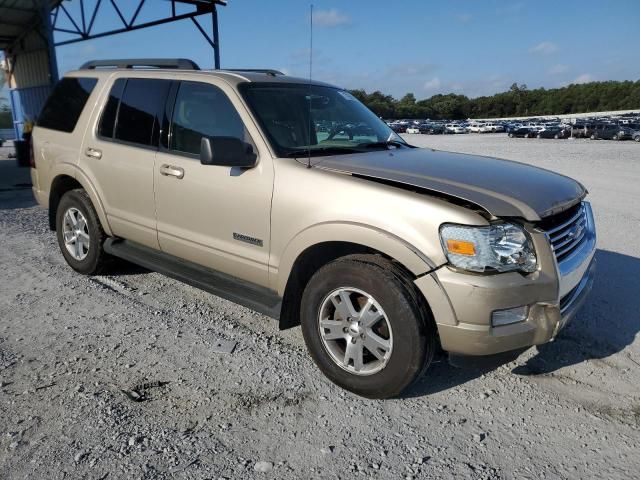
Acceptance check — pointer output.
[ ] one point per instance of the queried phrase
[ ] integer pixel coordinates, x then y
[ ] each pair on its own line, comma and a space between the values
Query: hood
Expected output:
501, 187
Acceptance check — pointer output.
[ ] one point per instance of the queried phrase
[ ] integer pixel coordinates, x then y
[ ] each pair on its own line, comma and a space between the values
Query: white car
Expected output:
455, 128
413, 129
475, 127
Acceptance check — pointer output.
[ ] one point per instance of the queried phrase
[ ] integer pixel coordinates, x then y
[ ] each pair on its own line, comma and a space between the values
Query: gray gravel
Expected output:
120, 377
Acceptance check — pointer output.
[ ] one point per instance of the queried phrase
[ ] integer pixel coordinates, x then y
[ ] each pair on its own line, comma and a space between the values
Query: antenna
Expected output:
310, 73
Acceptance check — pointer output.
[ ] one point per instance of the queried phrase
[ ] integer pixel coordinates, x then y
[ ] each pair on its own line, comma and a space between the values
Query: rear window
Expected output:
65, 104
138, 116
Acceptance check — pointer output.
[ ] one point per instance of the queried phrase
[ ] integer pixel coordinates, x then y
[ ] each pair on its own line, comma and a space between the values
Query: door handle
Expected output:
170, 170
93, 153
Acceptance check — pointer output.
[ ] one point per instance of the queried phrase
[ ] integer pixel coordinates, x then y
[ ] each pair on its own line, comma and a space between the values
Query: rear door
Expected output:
215, 216
119, 156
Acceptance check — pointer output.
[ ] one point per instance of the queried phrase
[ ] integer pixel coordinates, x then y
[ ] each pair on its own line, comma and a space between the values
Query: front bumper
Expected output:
462, 303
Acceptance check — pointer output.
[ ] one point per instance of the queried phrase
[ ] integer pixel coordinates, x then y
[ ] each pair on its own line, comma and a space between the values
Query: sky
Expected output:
424, 47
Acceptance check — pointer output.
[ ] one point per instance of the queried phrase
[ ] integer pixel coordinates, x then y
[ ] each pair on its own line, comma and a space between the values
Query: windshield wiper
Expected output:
314, 152
385, 144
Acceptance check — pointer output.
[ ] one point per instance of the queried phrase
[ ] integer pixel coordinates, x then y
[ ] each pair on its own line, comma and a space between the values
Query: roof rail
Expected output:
178, 63
268, 71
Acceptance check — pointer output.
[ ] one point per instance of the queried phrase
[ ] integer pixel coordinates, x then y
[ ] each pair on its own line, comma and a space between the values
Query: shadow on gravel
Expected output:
607, 323
16, 197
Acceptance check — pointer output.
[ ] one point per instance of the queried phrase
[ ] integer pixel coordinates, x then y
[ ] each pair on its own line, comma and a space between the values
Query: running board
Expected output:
244, 293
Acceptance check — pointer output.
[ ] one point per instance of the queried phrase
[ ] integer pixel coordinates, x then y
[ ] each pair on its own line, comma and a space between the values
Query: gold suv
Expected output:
291, 198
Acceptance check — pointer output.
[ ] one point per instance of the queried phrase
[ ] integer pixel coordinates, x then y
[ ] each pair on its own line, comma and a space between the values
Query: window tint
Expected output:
202, 110
108, 119
65, 104
138, 115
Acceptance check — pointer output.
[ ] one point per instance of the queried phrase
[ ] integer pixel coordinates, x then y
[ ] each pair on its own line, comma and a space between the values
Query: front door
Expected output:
215, 216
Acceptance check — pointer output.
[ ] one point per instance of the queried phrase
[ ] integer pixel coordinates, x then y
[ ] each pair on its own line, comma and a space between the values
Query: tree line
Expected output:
517, 101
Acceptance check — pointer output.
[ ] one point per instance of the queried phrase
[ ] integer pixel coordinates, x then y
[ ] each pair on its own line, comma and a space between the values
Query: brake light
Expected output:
32, 157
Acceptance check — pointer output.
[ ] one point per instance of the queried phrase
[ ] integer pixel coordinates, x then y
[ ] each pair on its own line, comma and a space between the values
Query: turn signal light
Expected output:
460, 247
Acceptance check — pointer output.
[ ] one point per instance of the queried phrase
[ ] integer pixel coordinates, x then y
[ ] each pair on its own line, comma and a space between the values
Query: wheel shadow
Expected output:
606, 324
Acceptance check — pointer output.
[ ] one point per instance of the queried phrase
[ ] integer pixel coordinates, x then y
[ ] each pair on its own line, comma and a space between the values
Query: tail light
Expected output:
32, 157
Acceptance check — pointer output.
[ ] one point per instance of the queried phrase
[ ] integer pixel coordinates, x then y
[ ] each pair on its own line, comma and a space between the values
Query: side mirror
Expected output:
227, 152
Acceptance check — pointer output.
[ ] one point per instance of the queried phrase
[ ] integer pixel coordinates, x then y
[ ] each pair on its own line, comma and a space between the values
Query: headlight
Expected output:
503, 247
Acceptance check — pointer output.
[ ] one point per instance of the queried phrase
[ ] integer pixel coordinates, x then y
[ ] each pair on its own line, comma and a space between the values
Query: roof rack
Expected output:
177, 63
268, 71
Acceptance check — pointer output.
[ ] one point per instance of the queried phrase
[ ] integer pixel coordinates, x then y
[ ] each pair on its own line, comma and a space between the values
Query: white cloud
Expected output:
330, 18
464, 17
432, 84
544, 48
584, 78
558, 69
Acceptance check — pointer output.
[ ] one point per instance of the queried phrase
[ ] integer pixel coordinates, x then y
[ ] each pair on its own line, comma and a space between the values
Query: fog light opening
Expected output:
509, 316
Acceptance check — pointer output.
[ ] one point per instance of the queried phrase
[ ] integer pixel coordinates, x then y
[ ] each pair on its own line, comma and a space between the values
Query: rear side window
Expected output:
108, 119
138, 116
65, 104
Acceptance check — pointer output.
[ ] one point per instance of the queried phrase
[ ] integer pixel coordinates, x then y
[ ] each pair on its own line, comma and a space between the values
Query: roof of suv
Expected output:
233, 77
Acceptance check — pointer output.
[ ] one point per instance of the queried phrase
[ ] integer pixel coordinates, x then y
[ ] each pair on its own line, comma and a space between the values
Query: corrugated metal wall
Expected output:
31, 80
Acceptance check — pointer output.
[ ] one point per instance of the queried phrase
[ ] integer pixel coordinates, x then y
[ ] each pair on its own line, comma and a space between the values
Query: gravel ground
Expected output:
130, 375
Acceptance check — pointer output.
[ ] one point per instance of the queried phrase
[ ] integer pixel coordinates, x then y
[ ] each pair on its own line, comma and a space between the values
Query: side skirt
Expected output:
244, 293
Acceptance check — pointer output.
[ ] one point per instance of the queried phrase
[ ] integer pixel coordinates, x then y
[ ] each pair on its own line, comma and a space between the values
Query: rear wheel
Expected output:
511, 135
366, 327
80, 235
615, 137
556, 136
593, 137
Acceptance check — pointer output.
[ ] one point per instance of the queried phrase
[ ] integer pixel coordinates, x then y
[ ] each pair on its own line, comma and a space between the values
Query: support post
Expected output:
216, 38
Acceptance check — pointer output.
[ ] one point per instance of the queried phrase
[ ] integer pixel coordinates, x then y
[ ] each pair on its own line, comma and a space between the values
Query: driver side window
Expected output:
202, 110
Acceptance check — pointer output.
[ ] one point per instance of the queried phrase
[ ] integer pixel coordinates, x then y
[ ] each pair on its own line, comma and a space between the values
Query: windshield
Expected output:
320, 120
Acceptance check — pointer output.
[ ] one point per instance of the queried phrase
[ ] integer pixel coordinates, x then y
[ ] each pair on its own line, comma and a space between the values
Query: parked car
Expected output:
455, 128
413, 129
383, 252
609, 131
431, 128
523, 132
553, 132
636, 135
582, 130
475, 127
398, 127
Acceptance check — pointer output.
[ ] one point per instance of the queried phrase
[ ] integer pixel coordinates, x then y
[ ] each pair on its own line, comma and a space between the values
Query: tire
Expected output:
511, 135
615, 137
92, 259
593, 137
636, 138
556, 136
539, 136
405, 324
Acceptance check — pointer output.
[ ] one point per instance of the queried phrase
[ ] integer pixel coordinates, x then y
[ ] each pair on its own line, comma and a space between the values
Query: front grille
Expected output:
567, 231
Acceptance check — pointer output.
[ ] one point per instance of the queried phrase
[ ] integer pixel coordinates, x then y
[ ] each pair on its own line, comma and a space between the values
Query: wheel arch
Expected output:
69, 178
322, 244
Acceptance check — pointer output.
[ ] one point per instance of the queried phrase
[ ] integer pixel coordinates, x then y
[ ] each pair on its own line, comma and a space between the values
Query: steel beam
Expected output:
83, 30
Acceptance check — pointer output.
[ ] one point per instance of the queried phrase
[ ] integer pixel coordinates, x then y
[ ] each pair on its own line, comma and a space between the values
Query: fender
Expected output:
385, 242
75, 172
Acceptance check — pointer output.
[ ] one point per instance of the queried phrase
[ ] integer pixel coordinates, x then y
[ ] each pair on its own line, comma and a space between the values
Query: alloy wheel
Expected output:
75, 231
355, 331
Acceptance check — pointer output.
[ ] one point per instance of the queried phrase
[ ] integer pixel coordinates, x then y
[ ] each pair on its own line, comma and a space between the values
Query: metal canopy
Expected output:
19, 17
77, 24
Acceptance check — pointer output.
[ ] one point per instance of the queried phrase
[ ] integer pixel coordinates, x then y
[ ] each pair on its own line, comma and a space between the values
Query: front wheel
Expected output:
366, 327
